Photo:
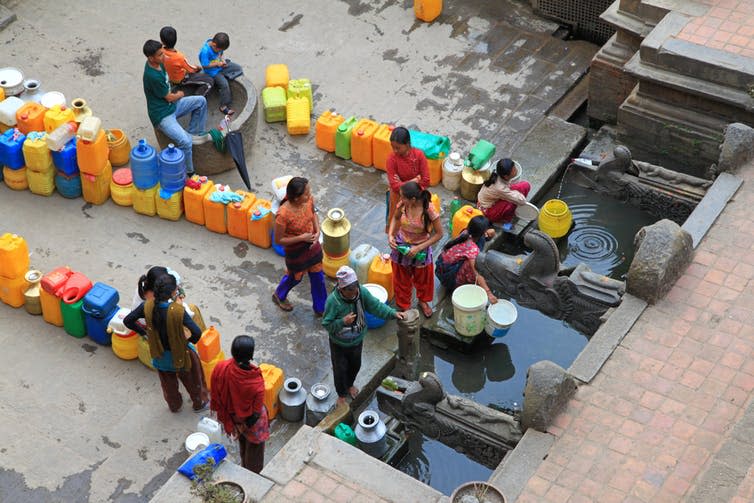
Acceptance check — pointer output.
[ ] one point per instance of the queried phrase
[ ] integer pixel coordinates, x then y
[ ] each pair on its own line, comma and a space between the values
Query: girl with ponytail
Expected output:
456, 265
172, 356
415, 227
498, 197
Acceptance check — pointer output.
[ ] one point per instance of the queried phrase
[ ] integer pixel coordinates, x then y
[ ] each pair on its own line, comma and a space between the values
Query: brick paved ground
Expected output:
727, 25
652, 423
314, 484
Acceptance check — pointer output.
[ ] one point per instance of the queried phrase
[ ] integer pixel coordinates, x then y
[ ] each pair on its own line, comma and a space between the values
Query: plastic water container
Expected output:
500, 318
211, 428
119, 146
49, 296
74, 322
41, 183
480, 154
330, 265
121, 187
144, 200
144, 165
36, 154
75, 288
89, 128
193, 199
96, 326
297, 116
65, 159
261, 222
56, 116
215, 213
96, 188
427, 10
276, 75
144, 355
68, 186
452, 168
172, 169
30, 117
125, 342
15, 179
462, 217
301, 88
100, 300
14, 255
209, 344
274, 104
208, 367
170, 208
381, 147
343, 138
61, 135
381, 273
469, 309
381, 294
360, 260
11, 149
12, 290
8, 108
555, 218
238, 220
361, 141
325, 129
273, 380
93, 156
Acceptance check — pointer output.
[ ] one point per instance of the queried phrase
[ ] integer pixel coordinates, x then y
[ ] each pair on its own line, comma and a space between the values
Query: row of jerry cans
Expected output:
249, 219
367, 142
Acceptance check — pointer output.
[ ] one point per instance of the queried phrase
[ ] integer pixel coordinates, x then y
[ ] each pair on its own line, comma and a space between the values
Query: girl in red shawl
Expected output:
238, 400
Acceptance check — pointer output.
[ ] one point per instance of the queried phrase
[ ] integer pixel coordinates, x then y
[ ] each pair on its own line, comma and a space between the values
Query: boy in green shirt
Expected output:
165, 107
346, 326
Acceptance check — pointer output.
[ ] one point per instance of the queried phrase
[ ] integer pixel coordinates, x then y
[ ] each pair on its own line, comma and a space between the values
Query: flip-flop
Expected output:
282, 304
227, 111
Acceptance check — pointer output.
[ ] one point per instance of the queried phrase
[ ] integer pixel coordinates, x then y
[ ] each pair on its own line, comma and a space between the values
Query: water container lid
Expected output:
142, 150
122, 176
236, 205
360, 132
455, 158
378, 291
171, 154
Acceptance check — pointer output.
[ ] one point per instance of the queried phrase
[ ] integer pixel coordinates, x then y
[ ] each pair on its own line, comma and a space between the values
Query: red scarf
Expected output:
236, 393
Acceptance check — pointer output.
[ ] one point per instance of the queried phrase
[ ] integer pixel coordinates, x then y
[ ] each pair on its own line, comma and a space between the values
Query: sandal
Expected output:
227, 110
282, 304
425, 309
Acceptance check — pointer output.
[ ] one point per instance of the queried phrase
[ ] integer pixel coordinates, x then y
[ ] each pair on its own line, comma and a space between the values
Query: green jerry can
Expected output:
480, 154
273, 102
73, 318
343, 138
345, 433
301, 88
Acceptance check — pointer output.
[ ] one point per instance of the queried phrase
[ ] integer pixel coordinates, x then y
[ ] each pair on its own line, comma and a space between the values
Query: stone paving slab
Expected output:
521, 463
709, 208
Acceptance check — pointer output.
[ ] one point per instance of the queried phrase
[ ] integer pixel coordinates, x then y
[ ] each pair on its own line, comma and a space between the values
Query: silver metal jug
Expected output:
292, 399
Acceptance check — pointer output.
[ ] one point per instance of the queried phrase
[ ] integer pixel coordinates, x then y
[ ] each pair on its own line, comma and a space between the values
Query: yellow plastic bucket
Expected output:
555, 218
469, 309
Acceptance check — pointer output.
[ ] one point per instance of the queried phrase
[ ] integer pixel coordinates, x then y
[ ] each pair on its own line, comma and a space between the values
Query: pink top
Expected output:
412, 229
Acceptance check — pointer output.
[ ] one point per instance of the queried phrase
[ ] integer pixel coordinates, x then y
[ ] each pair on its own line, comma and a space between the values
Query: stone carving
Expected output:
537, 280
407, 365
548, 389
663, 251
481, 433
736, 149
662, 192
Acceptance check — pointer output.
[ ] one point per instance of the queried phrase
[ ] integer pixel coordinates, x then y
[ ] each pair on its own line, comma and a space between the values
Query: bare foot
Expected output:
341, 400
353, 391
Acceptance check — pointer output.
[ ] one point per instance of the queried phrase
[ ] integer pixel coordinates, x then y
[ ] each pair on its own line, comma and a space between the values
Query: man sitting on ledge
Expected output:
165, 107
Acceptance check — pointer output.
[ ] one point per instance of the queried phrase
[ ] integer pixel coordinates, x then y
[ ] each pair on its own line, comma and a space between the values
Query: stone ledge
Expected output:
606, 339
521, 463
709, 208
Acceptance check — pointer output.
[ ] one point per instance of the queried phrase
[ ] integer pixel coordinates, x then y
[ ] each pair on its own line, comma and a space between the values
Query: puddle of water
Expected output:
496, 375
439, 466
602, 236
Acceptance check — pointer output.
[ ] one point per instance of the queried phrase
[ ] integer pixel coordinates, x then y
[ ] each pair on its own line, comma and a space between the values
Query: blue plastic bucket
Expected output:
500, 318
381, 294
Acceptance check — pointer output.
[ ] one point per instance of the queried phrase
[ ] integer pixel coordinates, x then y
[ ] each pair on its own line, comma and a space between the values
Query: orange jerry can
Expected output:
96, 188
208, 367
361, 141
215, 213
325, 129
193, 199
381, 147
434, 166
273, 380
92, 156
238, 215
14, 255
30, 117
261, 222
461, 219
277, 76
427, 10
209, 344
12, 290
381, 273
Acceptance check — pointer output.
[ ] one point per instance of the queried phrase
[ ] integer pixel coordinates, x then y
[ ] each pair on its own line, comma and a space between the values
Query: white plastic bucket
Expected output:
469, 302
196, 442
500, 318
381, 294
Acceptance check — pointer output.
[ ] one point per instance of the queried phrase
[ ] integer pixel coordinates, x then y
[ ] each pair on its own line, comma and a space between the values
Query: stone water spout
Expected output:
662, 192
482, 433
539, 281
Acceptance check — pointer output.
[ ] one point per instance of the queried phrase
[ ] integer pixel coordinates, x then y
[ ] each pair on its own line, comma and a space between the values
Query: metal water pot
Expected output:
471, 182
319, 402
370, 432
292, 398
336, 231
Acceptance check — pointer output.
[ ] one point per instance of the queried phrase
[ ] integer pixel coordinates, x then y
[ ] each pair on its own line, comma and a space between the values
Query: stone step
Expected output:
572, 101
